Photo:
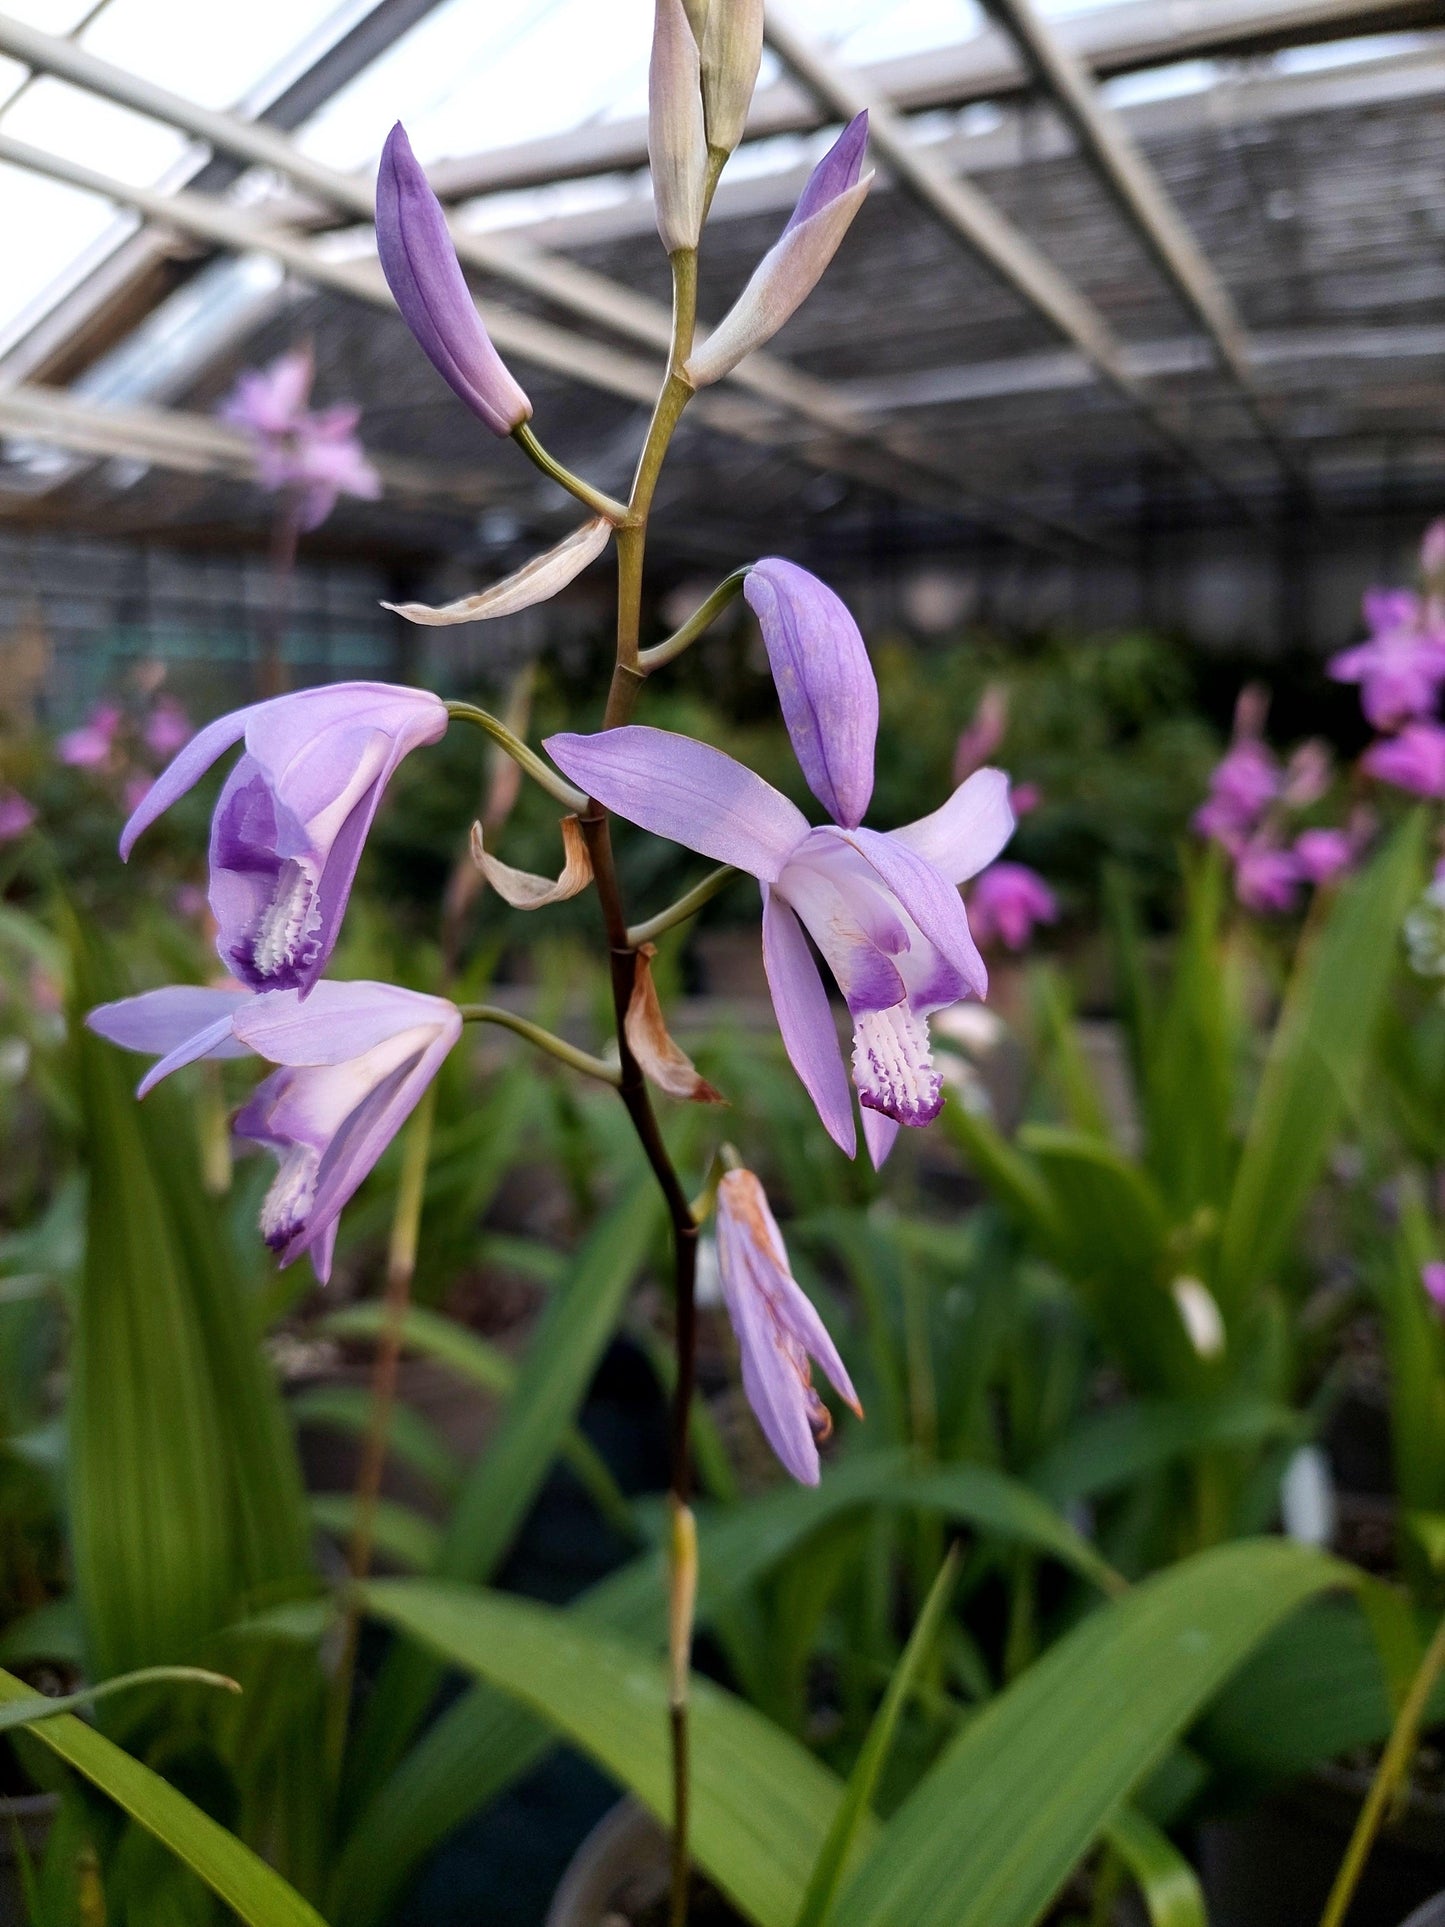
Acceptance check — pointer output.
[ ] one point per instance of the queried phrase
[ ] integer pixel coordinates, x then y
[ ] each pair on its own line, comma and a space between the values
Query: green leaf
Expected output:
1113, 1448
258, 1894
497, 1493
1318, 1058
404, 1536
857, 1802
761, 1805
1172, 1894
410, 1439
994, 1828
1014, 1179
42, 1706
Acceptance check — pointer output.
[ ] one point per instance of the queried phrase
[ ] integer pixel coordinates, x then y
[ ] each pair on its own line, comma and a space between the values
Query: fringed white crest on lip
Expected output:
676, 138
534, 582
893, 1065
521, 888
664, 1063
781, 282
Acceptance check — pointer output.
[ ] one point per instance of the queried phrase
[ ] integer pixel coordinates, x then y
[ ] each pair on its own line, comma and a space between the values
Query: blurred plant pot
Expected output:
1276, 1863
619, 1876
27, 1818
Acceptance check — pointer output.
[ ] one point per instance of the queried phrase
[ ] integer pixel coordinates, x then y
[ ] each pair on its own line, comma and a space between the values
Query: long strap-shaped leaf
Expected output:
257, 1893
992, 1831
761, 1805
1172, 1894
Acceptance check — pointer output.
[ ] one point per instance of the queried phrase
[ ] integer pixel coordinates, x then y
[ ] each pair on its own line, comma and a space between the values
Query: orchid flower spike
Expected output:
793, 266
884, 910
423, 273
293, 816
777, 1328
353, 1064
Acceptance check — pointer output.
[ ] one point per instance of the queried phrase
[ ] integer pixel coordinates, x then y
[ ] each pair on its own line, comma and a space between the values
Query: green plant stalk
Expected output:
1391, 1774
686, 906
549, 1041
600, 504
400, 1269
526, 759
701, 619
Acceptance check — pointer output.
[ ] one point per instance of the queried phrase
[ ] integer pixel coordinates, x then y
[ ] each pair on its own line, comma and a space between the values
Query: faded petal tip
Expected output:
423, 273
534, 582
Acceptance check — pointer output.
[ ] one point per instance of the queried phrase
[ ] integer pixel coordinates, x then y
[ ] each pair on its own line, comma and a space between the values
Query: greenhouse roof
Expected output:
1130, 262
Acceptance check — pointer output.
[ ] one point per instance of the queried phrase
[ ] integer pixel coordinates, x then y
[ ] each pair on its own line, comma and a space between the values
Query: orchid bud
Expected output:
676, 139
732, 49
423, 273
792, 267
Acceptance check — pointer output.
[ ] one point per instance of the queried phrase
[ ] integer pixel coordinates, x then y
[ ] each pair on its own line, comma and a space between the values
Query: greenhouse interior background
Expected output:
569, 1396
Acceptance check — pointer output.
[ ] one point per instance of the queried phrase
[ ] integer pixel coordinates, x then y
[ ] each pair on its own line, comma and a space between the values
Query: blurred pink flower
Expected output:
17, 813
1432, 1277
89, 746
978, 742
1267, 878
1307, 775
190, 902
316, 454
1414, 760
168, 728
137, 789
1005, 904
1024, 798
1322, 855
1242, 787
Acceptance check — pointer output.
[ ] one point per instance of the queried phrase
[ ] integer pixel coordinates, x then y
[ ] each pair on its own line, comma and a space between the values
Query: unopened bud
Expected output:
676, 137
732, 49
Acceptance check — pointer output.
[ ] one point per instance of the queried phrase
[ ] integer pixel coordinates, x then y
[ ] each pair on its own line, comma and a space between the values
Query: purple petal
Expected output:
967, 833
805, 1019
421, 267
181, 1023
929, 898
824, 680
835, 173
686, 791
337, 1022
879, 1134
188, 768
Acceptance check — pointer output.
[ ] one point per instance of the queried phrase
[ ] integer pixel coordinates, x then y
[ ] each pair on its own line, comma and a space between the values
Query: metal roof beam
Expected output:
990, 234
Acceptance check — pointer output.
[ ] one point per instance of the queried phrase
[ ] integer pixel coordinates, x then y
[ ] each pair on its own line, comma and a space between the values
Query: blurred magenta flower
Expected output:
167, 728
1432, 1277
1267, 878
1402, 665
89, 747
17, 813
1024, 798
977, 743
1243, 785
793, 266
354, 1062
1414, 760
314, 454
1005, 904
137, 788
293, 816
777, 1328
884, 910
1307, 775
422, 270
1323, 855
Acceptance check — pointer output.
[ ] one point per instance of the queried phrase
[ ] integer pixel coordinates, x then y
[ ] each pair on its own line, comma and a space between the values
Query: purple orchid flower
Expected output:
1006, 902
314, 453
793, 266
884, 910
1267, 879
17, 813
353, 1064
1323, 855
168, 728
1241, 788
1432, 1277
293, 817
1414, 760
89, 747
1402, 665
777, 1328
423, 273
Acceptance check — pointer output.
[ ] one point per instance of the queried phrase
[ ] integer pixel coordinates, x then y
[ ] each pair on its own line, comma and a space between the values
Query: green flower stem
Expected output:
604, 505
685, 907
701, 619
527, 759
1391, 1774
558, 1047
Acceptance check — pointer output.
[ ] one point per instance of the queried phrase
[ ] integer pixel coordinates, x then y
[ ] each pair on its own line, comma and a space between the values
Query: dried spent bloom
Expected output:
354, 1062
1267, 878
792, 267
17, 814
316, 455
676, 133
1414, 760
1006, 903
293, 816
884, 910
90, 746
423, 273
777, 1327
1432, 1277
536, 581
